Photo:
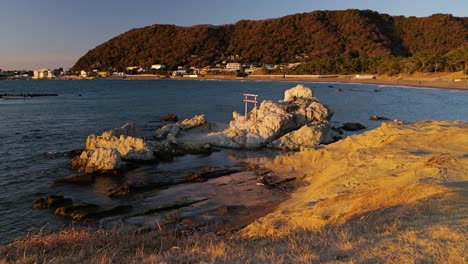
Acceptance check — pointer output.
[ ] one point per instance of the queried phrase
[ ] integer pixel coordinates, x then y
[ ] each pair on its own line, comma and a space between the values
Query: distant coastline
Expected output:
442, 80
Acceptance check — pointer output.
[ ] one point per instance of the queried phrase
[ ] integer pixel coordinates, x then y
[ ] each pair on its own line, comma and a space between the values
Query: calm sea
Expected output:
36, 133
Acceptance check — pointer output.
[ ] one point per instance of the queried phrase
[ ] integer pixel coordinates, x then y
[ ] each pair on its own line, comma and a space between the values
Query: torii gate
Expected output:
251, 98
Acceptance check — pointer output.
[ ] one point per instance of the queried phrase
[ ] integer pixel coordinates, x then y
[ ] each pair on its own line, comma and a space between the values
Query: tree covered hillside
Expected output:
324, 41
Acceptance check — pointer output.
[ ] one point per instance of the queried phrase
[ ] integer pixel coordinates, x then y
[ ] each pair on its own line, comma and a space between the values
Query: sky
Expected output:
56, 33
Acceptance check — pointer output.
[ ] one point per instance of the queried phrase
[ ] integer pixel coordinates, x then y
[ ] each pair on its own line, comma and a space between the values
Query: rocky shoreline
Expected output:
298, 121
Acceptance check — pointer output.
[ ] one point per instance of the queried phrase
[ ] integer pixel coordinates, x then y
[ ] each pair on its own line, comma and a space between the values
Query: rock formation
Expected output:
273, 120
107, 151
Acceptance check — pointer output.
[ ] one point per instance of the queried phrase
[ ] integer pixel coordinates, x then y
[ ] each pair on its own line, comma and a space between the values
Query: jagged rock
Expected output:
170, 118
352, 126
195, 121
162, 132
298, 92
105, 152
273, 120
129, 147
127, 130
308, 136
100, 159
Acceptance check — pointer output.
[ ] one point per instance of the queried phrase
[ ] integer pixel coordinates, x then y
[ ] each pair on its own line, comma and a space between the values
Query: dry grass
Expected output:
432, 230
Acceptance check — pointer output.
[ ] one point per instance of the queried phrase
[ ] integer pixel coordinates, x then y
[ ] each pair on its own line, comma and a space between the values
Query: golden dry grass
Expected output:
433, 230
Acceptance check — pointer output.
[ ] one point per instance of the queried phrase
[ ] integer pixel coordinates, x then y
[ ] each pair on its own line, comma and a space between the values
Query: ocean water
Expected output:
36, 133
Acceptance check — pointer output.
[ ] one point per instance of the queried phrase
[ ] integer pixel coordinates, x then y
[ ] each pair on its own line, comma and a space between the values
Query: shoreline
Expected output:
436, 80
439, 81
368, 197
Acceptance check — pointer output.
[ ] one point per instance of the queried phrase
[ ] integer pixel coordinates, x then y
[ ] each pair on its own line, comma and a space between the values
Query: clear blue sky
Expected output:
55, 33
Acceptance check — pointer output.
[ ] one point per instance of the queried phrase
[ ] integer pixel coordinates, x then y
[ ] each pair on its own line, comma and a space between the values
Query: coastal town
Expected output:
155, 71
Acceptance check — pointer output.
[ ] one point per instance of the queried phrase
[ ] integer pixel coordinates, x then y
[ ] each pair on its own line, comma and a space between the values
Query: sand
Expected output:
374, 175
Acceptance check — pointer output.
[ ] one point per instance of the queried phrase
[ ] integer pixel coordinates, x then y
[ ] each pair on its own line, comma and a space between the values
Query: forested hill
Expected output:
350, 36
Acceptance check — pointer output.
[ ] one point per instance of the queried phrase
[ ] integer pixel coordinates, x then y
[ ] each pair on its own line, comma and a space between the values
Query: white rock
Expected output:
298, 92
273, 120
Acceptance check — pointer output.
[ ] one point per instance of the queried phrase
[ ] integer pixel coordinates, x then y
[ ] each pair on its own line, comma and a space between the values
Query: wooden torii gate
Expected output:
251, 98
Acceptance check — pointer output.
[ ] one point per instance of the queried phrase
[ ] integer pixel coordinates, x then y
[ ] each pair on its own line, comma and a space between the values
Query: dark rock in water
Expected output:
76, 211
82, 179
74, 153
377, 90
121, 190
40, 203
339, 90
170, 207
377, 118
93, 214
337, 130
352, 126
208, 173
330, 86
52, 201
170, 118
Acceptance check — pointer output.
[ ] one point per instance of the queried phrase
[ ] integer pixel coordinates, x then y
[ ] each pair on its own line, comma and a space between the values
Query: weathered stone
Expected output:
105, 152
195, 121
298, 92
127, 130
272, 120
162, 132
307, 136
129, 147
100, 159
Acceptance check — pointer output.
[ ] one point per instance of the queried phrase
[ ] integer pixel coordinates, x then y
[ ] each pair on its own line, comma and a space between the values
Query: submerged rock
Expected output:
377, 118
170, 118
352, 127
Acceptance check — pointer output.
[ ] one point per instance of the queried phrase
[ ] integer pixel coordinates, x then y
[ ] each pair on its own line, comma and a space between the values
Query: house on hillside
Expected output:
158, 66
233, 66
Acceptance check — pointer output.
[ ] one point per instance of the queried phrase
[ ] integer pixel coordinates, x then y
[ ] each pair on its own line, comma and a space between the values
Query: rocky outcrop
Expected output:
107, 151
308, 136
272, 120
97, 160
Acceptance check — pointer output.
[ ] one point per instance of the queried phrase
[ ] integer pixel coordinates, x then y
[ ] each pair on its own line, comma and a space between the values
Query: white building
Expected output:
158, 66
233, 66
83, 74
179, 73
43, 74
